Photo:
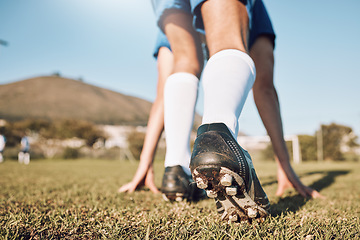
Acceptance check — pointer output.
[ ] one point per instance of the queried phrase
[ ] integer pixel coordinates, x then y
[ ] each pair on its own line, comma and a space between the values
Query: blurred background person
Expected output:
2, 146
24, 154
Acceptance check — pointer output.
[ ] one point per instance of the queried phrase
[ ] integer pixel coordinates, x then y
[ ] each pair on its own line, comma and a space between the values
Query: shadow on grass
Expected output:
294, 203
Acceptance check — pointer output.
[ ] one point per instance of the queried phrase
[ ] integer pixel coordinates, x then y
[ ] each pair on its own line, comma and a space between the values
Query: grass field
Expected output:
78, 199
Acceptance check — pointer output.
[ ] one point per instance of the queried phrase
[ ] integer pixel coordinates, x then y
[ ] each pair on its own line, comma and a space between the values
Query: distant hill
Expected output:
53, 97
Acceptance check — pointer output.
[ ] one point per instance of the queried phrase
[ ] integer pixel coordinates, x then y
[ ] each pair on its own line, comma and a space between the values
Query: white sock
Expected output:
227, 79
180, 96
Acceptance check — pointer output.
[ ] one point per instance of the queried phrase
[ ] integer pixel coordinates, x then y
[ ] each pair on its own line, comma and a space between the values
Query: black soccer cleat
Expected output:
225, 170
178, 186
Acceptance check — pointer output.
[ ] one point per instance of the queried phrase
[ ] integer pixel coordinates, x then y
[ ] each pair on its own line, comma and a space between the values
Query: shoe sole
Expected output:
229, 191
177, 197
180, 196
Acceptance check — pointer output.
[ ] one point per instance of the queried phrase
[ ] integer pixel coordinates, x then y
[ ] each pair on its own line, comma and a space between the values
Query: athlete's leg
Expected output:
181, 87
218, 163
180, 96
230, 72
184, 41
26, 158
21, 157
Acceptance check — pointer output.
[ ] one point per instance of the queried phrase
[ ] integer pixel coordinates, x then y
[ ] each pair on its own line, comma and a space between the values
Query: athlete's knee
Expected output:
226, 25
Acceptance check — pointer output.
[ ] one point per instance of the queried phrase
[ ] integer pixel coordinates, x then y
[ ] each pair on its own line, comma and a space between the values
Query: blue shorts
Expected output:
260, 25
161, 8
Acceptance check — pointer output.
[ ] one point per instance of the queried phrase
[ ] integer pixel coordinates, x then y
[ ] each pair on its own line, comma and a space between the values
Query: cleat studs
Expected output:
252, 213
211, 193
232, 191
226, 180
223, 216
201, 183
233, 218
178, 199
165, 198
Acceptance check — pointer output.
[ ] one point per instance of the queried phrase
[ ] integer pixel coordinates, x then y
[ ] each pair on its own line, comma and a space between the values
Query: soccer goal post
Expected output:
258, 141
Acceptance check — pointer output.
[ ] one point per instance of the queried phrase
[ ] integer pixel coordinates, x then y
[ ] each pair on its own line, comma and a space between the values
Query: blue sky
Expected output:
109, 43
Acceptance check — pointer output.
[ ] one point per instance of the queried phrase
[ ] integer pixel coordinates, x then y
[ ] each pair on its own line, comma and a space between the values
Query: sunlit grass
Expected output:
78, 199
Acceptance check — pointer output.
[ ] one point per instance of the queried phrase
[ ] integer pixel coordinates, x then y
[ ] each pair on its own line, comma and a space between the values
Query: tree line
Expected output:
331, 142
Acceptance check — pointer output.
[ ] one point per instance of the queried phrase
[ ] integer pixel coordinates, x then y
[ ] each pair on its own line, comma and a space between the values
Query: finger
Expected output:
131, 188
313, 193
316, 194
151, 185
123, 188
126, 188
279, 192
153, 188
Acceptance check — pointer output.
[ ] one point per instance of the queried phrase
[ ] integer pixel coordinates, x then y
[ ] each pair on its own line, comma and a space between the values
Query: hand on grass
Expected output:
288, 179
138, 182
